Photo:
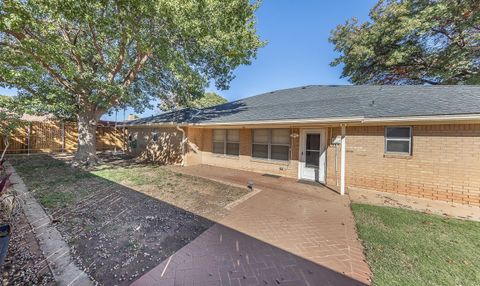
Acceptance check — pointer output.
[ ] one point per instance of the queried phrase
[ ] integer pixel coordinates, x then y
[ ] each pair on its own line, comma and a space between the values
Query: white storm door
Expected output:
312, 154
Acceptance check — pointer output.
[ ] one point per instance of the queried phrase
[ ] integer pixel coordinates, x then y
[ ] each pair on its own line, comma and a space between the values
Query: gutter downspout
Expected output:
183, 143
336, 160
184, 139
342, 160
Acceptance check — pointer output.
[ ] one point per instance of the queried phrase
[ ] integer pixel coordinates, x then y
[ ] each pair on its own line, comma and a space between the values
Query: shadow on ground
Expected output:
118, 234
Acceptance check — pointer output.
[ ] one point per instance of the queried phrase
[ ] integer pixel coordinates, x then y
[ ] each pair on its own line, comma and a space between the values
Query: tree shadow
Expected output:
224, 256
193, 115
118, 234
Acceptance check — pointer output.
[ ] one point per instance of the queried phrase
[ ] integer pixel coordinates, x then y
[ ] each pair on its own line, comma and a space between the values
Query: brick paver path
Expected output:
288, 234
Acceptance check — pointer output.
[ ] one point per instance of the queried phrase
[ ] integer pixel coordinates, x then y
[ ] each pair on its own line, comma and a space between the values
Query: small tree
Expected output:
86, 57
10, 120
412, 42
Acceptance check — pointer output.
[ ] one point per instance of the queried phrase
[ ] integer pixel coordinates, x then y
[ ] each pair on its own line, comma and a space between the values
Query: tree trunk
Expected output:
87, 143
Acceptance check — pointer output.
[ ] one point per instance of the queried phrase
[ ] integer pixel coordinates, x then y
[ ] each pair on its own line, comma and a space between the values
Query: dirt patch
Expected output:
123, 219
196, 195
25, 263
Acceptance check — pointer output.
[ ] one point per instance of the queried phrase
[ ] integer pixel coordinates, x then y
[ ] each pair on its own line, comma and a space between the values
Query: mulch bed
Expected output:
25, 263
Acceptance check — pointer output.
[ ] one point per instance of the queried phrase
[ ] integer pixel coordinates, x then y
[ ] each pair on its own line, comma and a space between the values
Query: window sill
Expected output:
397, 156
274, 162
226, 156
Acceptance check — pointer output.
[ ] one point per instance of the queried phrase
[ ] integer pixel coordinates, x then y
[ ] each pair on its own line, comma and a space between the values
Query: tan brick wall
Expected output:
200, 152
193, 154
333, 172
166, 150
444, 165
445, 161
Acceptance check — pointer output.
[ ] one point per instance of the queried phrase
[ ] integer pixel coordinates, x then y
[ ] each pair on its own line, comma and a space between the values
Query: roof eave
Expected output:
425, 118
283, 121
339, 120
164, 124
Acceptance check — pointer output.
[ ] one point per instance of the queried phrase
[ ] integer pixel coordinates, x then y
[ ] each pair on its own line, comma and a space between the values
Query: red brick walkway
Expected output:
288, 234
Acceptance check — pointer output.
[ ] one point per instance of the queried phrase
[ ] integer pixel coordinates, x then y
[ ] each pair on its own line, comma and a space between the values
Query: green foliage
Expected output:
207, 100
405, 247
412, 42
55, 200
69, 57
10, 118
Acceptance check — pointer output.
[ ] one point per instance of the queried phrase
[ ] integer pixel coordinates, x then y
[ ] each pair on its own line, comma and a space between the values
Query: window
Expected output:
398, 140
154, 136
312, 150
132, 138
226, 142
271, 144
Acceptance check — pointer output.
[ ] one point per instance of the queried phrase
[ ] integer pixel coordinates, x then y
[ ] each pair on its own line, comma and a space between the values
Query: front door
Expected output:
312, 155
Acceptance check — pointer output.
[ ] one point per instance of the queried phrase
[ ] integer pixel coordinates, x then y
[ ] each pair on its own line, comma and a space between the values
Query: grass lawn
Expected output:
122, 218
405, 247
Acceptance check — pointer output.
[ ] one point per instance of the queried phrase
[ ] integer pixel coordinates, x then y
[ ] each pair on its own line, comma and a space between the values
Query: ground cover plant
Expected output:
406, 247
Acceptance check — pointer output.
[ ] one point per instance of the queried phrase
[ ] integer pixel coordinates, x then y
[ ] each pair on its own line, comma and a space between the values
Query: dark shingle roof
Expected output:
334, 102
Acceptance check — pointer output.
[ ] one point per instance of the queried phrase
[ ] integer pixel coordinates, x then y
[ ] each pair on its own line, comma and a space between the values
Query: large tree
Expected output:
412, 42
86, 57
206, 100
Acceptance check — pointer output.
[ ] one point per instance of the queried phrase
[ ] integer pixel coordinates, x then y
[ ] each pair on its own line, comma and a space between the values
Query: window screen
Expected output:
271, 144
155, 136
260, 143
226, 142
219, 141
312, 150
233, 142
398, 140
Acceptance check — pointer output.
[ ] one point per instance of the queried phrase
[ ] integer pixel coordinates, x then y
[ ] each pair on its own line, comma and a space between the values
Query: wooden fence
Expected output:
50, 137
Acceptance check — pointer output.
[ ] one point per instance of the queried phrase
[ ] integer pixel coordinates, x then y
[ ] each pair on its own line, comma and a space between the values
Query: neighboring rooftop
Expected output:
333, 102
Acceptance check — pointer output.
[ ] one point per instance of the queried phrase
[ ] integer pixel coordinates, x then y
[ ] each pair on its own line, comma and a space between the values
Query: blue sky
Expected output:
298, 52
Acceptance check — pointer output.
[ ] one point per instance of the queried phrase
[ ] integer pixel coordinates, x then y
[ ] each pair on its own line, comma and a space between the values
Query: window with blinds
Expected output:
398, 140
226, 142
271, 144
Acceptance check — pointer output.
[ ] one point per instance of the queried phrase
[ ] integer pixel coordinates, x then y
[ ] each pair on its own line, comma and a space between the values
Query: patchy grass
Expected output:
405, 247
57, 185
197, 195
56, 199
122, 218
54, 183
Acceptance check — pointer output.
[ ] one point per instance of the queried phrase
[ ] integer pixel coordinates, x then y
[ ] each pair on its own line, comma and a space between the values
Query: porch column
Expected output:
342, 160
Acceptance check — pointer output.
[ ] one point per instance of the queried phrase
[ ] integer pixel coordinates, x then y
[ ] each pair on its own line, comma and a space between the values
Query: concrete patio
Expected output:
288, 233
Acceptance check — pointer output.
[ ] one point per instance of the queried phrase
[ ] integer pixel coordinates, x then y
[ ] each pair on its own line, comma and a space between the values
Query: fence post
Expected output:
63, 137
29, 133
115, 134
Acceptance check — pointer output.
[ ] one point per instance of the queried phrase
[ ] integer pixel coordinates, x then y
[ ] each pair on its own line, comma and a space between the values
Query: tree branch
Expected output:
76, 57
95, 44
458, 42
56, 76
429, 81
132, 74
121, 58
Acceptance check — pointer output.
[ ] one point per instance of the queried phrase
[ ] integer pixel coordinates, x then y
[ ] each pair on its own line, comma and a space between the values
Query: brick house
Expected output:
422, 141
